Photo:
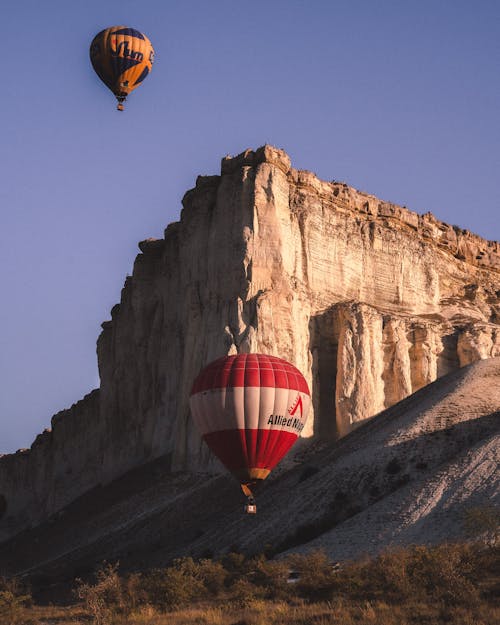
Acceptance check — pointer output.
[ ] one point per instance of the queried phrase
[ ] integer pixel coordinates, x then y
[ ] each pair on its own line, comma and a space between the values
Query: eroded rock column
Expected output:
360, 366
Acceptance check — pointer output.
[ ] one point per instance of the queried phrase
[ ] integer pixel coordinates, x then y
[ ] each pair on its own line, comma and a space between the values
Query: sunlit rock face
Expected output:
368, 299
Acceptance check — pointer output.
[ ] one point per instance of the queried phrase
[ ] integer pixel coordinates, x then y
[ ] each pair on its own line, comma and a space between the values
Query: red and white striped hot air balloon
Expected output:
250, 410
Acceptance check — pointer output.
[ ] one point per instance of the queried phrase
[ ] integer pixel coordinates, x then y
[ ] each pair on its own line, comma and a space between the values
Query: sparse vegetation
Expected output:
14, 597
452, 583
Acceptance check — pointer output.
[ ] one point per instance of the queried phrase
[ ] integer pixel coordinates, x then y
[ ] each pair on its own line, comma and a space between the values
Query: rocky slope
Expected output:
370, 300
410, 475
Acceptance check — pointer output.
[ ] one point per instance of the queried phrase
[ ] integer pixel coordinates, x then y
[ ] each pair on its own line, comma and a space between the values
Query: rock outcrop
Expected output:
369, 300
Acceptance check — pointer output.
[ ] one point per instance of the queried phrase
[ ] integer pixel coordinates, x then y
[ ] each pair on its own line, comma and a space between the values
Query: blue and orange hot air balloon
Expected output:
122, 57
250, 409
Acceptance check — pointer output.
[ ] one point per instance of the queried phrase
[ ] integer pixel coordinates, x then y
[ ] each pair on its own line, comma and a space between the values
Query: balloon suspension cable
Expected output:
246, 489
121, 99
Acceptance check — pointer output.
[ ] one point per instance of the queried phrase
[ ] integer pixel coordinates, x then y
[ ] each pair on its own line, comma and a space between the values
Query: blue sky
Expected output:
397, 98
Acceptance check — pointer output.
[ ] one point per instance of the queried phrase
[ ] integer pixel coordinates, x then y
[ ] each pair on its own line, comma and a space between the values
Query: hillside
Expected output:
407, 476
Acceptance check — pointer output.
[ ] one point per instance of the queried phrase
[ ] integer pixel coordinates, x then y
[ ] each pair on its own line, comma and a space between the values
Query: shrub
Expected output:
244, 593
14, 596
175, 586
443, 573
234, 563
133, 589
269, 576
315, 575
387, 576
213, 575
105, 598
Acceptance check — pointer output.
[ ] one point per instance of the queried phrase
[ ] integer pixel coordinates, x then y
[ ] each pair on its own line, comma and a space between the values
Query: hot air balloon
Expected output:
250, 409
122, 57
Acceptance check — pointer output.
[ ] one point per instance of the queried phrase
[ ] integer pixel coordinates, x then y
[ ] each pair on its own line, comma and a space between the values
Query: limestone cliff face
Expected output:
369, 300
61, 464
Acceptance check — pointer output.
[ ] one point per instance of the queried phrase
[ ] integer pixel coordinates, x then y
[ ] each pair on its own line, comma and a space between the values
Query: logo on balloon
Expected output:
296, 406
123, 51
289, 422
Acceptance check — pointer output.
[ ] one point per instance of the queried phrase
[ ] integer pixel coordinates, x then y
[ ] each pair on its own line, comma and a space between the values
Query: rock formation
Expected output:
369, 300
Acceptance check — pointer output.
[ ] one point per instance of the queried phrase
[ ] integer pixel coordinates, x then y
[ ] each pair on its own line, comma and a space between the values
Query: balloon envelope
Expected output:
250, 410
122, 57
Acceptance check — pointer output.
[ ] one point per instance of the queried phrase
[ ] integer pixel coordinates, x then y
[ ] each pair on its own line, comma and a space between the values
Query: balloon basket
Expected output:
250, 508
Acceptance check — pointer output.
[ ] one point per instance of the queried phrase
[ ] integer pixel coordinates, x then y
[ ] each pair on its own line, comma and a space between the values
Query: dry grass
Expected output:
280, 613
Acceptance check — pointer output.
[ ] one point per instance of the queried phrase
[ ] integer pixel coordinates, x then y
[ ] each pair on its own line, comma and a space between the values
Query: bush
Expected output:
175, 586
213, 576
315, 575
14, 597
443, 573
105, 598
269, 575
244, 593
134, 592
385, 577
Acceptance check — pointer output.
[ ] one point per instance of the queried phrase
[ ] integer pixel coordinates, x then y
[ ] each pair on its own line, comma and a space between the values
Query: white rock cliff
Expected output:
368, 299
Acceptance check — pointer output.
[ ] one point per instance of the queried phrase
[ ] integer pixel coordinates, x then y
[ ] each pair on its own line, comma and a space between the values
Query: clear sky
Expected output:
397, 98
